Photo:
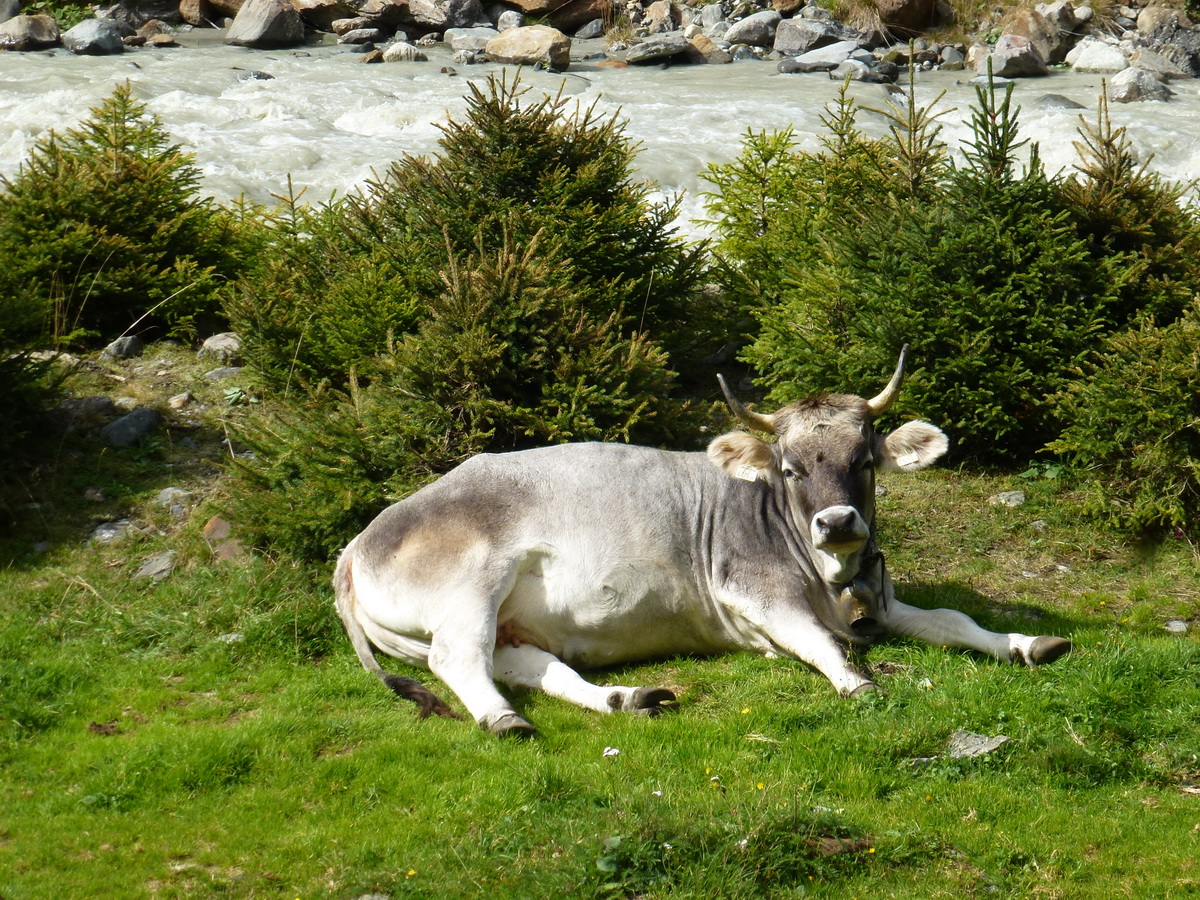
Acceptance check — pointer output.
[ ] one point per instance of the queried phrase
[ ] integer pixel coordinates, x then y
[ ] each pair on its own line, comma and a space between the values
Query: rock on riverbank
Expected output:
1158, 44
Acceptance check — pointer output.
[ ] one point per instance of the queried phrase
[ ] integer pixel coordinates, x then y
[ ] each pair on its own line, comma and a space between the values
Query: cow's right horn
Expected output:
754, 420
883, 402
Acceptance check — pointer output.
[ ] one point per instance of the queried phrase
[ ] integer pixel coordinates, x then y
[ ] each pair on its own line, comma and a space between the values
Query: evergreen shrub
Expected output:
981, 268
535, 327
353, 276
1132, 428
103, 231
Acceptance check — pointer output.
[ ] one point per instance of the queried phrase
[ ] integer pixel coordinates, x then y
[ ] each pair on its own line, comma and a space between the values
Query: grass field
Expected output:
213, 734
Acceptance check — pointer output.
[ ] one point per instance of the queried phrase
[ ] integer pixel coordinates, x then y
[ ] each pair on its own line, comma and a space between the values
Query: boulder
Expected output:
1097, 57
510, 18
794, 37
131, 428
786, 8
590, 30
705, 51
362, 36
402, 51
1014, 57
906, 16
266, 24
9, 9
136, 13
1134, 85
757, 30
824, 59
1154, 19
29, 33
531, 45
565, 16
469, 38
463, 13
95, 37
658, 47
321, 14
126, 347
661, 16
1161, 64
199, 13
1050, 42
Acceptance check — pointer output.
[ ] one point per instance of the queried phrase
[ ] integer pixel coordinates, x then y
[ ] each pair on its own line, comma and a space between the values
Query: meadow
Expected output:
213, 734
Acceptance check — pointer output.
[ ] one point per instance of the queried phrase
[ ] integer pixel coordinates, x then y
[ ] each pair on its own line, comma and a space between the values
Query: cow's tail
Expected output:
408, 688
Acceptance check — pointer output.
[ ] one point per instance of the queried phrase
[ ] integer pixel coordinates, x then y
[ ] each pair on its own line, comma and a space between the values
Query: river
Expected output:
329, 121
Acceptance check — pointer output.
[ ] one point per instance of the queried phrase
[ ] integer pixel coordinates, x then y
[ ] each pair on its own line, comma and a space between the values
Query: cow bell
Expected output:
861, 601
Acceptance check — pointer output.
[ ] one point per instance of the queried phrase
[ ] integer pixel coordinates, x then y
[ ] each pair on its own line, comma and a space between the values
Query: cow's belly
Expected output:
597, 616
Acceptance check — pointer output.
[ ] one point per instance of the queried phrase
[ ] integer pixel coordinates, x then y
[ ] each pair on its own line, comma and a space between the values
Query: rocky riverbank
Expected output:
1140, 50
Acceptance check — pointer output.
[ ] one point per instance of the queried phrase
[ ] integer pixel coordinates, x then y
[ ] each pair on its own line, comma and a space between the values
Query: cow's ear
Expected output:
741, 455
912, 446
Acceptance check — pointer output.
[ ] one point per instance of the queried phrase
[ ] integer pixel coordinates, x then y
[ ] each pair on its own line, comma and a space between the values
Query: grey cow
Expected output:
523, 567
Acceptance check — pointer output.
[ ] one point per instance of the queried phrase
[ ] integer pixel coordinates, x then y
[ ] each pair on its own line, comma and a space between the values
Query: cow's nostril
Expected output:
839, 521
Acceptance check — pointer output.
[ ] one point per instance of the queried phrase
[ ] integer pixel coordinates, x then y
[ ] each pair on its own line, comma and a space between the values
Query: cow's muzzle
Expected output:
839, 529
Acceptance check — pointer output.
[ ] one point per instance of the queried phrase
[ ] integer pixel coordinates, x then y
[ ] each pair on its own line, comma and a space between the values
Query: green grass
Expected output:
143, 754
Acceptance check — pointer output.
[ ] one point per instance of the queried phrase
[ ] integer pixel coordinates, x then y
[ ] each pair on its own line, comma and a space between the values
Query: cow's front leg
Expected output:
951, 628
530, 667
814, 644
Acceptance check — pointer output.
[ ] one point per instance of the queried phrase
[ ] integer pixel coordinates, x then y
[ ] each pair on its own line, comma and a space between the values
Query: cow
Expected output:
523, 567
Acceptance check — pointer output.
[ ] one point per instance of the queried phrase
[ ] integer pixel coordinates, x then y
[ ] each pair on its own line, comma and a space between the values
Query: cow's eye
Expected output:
789, 473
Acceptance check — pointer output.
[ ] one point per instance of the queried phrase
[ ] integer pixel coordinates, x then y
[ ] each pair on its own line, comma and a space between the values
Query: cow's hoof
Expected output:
511, 725
642, 701
1046, 650
863, 689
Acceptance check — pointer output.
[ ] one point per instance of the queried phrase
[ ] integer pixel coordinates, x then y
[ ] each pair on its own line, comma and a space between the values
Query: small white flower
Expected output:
611, 751
656, 793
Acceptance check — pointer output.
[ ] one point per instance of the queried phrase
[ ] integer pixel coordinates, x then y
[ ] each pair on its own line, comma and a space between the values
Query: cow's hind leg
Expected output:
951, 628
464, 663
530, 667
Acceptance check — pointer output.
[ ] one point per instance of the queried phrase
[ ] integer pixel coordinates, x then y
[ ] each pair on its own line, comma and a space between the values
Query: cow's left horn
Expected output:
883, 402
754, 420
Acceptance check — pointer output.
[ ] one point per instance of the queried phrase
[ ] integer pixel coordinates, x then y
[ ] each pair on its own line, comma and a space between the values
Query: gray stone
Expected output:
131, 428
124, 347
1176, 626
136, 13
363, 36
711, 15
590, 30
1007, 498
266, 24
1135, 85
402, 51
1057, 101
235, 637
658, 47
112, 532
222, 373
510, 18
965, 745
469, 38
9, 9
823, 59
1014, 57
28, 33
168, 497
158, 567
853, 69
95, 37
757, 30
1097, 57
531, 45
797, 36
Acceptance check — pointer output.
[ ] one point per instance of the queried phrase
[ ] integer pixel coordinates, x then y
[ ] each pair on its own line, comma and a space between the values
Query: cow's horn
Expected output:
883, 402
754, 420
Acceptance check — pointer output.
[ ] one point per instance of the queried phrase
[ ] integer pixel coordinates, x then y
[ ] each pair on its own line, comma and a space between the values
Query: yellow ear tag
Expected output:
908, 459
746, 472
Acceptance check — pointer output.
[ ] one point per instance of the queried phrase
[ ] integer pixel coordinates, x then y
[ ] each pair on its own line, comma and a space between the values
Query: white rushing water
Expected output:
328, 121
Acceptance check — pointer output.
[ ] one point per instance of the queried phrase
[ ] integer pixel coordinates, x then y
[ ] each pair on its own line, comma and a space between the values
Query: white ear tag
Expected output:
746, 472
908, 459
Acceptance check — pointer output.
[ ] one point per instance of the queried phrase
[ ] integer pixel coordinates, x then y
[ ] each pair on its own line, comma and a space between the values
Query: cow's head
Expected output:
823, 466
